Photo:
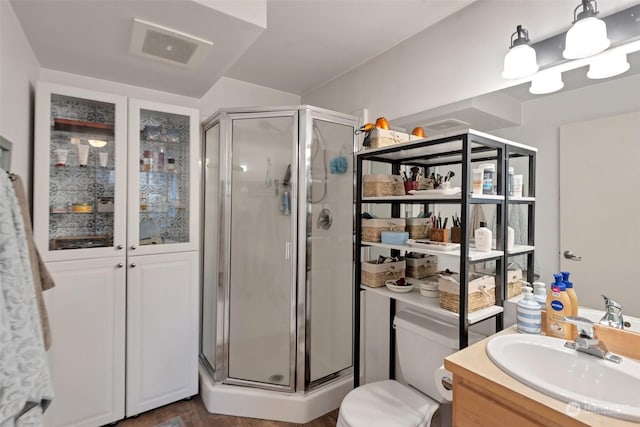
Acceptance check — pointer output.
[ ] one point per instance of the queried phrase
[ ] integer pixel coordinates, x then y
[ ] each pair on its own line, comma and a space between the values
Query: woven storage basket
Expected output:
422, 267
514, 284
482, 292
386, 137
373, 228
375, 275
418, 228
379, 185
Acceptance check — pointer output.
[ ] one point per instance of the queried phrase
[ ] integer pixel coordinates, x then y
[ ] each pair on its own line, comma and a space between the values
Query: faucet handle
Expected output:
609, 303
584, 325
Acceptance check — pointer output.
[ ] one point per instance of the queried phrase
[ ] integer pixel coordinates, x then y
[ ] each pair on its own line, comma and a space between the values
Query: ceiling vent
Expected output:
167, 45
444, 125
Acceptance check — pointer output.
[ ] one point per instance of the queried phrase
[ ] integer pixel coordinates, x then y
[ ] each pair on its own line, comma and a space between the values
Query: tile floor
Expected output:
194, 414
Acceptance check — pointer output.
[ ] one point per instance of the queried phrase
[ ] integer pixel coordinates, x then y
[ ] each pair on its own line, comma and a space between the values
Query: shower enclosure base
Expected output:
272, 405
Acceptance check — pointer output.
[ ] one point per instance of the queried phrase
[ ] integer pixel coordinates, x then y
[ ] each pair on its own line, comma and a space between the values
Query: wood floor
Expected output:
194, 414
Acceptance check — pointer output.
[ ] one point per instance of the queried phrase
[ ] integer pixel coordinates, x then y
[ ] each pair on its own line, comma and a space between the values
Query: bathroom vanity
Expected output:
484, 395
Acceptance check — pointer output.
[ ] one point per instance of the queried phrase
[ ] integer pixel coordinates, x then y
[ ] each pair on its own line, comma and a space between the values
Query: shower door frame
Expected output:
307, 116
226, 152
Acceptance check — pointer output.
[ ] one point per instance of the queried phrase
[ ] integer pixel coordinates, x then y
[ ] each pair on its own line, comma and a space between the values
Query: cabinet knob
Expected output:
132, 265
133, 247
120, 265
119, 247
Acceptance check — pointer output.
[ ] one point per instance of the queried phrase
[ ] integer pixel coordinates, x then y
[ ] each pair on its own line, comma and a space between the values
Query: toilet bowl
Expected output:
423, 343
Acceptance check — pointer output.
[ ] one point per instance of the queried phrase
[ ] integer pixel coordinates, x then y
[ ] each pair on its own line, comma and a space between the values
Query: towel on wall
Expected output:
42, 279
25, 381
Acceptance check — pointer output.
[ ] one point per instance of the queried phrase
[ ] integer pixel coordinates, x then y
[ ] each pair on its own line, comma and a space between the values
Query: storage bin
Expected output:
379, 185
422, 267
481, 288
418, 228
385, 137
394, 237
514, 284
375, 275
373, 228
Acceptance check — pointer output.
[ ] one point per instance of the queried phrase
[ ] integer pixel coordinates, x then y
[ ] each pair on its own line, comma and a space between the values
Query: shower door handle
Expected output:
287, 250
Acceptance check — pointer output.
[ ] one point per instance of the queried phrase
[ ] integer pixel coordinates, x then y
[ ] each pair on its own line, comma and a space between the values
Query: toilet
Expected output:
422, 345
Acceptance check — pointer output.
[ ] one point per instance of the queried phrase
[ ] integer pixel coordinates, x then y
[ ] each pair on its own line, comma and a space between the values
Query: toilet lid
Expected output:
386, 404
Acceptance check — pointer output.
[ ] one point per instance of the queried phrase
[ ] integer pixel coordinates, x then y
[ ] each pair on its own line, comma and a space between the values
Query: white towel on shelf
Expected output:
25, 382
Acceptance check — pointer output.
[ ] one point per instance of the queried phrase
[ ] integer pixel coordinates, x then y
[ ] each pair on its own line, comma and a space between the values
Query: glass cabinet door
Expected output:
163, 178
80, 180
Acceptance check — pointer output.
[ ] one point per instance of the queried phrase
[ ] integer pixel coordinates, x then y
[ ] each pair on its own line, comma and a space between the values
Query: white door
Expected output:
87, 315
162, 330
599, 173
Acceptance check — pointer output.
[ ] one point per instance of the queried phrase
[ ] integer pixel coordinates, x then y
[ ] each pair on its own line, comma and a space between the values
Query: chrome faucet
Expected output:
613, 314
587, 342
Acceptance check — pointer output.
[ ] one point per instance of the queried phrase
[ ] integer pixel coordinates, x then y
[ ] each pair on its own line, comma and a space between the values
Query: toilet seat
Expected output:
386, 404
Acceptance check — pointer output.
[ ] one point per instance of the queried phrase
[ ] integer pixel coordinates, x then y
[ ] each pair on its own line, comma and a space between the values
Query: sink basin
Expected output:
596, 385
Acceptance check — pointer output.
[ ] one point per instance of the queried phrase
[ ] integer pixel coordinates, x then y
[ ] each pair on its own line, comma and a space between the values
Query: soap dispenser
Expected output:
540, 293
483, 237
529, 313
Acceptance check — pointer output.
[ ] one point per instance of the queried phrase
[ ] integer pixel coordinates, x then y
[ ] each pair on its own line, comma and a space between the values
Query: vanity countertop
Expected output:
473, 364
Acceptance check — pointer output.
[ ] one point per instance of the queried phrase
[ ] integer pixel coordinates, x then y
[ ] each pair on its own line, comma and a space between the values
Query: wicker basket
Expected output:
378, 185
418, 228
482, 292
386, 137
422, 267
375, 275
373, 228
514, 284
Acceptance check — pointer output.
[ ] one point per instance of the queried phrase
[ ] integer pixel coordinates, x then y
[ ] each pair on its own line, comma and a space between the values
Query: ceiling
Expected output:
306, 43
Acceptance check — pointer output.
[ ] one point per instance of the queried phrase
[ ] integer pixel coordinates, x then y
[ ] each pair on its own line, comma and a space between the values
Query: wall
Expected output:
458, 58
230, 93
19, 70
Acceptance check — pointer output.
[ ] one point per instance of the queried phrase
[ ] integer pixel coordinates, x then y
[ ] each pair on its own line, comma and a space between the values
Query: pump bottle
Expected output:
558, 306
574, 300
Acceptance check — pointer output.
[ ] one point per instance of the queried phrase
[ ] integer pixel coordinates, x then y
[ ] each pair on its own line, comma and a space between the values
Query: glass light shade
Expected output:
586, 37
607, 65
520, 62
98, 143
547, 81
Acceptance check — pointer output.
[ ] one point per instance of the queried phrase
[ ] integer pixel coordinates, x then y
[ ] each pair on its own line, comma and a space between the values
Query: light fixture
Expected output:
608, 64
588, 35
98, 143
546, 81
520, 61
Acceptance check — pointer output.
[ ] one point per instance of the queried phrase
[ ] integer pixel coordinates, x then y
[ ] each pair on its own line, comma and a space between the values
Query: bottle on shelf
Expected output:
171, 165
147, 161
487, 179
573, 297
510, 182
540, 293
160, 165
143, 202
511, 238
483, 237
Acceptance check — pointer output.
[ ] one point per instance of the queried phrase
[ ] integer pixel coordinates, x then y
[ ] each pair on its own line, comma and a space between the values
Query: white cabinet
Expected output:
162, 329
87, 361
116, 182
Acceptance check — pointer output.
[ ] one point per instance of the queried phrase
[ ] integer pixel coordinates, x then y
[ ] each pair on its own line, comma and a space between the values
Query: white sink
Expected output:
596, 385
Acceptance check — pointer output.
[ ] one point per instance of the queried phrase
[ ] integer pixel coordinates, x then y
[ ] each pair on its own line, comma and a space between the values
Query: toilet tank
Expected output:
422, 344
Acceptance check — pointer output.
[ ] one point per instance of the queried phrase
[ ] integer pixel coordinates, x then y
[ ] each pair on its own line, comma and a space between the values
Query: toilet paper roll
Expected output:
444, 383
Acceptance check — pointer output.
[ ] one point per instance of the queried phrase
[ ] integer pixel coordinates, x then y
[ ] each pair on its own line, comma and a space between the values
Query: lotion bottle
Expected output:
558, 306
511, 238
574, 299
483, 238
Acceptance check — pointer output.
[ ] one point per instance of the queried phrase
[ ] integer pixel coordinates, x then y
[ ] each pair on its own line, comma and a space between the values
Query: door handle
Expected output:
132, 265
287, 250
120, 265
570, 255
133, 247
119, 247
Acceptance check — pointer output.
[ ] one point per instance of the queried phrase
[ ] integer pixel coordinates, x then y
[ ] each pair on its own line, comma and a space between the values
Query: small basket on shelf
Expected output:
375, 275
380, 185
481, 289
425, 266
418, 228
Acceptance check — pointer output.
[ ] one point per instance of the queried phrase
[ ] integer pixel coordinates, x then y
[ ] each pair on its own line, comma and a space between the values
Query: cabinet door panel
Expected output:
79, 173
164, 177
87, 316
162, 330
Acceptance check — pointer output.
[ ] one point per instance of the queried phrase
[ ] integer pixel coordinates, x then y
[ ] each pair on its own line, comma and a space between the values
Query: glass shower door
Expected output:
261, 276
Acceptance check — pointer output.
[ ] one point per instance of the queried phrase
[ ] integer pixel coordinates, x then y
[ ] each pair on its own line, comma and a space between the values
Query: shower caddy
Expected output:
465, 149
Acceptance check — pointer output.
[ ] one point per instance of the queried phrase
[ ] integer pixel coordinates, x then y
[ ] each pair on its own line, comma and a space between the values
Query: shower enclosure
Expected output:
278, 260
